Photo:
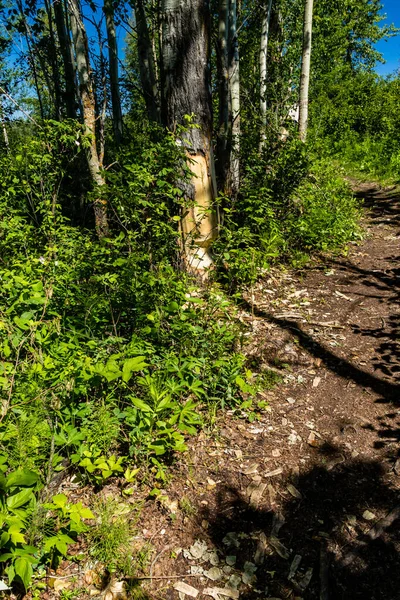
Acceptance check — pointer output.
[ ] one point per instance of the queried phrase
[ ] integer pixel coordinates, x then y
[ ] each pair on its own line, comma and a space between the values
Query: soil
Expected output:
303, 502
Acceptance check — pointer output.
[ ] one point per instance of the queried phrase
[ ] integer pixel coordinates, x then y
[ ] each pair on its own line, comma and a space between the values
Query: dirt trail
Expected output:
314, 479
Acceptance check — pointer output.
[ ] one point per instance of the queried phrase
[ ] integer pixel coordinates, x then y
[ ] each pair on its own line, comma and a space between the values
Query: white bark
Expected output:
305, 70
224, 102
264, 70
234, 90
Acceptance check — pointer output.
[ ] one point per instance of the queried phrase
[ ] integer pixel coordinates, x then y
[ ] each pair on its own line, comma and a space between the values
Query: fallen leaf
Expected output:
231, 539
293, 491
305, 581
215, 574
262, 545
279, 547
198, 549
294, 566
227, 592
250, 470
277, 471
256, 493
277, 523
188, 590
368, 515
316, 382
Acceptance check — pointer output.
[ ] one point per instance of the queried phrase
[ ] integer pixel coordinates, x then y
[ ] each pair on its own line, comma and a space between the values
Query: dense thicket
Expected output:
126, 174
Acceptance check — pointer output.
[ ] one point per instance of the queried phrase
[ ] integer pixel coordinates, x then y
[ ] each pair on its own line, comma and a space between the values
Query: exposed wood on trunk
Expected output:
67, 57
89, 113
113, 70
234, 92
147, 65
186, 91
305, 70
264, 69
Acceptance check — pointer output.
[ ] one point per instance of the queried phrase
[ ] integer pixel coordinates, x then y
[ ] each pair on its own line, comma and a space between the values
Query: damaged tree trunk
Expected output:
187, 91
87, 98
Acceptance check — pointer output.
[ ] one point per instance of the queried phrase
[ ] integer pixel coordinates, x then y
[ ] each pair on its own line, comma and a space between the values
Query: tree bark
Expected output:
67, 57
187, 91
87, 97
113, 70
305, 70
234, 92
147, 65
264, 70
54, 61
223, 80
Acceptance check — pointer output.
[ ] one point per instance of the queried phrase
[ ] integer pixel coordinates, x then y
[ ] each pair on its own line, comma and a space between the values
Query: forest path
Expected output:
313, 479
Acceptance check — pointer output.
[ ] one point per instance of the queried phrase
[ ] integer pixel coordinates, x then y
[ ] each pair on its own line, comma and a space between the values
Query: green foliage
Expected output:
111, 537
355, 120
33, 535
290, 203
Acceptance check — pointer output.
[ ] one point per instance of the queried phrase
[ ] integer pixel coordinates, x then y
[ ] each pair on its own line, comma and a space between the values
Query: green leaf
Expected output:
86, 513
16, 536
23, 569
141, 405
137, 363
19, 499
60, 500
22, 478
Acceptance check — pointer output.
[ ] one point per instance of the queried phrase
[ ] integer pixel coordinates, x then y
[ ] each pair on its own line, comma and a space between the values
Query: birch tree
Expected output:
187, 91
305, 70
263, 69
87, 98
234, 95
224, 103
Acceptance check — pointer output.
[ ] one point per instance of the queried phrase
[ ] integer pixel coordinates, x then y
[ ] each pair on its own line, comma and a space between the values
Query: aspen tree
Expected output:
187, 91
87, 98
305, 70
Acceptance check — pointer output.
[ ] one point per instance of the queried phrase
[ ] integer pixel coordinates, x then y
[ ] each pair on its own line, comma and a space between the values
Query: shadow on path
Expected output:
359, 561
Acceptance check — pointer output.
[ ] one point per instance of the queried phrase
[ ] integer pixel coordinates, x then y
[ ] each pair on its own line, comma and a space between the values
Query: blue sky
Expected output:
391, 48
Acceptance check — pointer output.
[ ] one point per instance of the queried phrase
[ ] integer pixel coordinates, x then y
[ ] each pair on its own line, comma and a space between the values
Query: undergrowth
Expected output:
111, 356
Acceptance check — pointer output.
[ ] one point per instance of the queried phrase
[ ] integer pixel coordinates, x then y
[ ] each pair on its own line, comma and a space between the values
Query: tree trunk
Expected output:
305, 70
67, 57
54, 61
234, 92
113, 69
187, 91
89, 113
264, 70
147, 65
223, 80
